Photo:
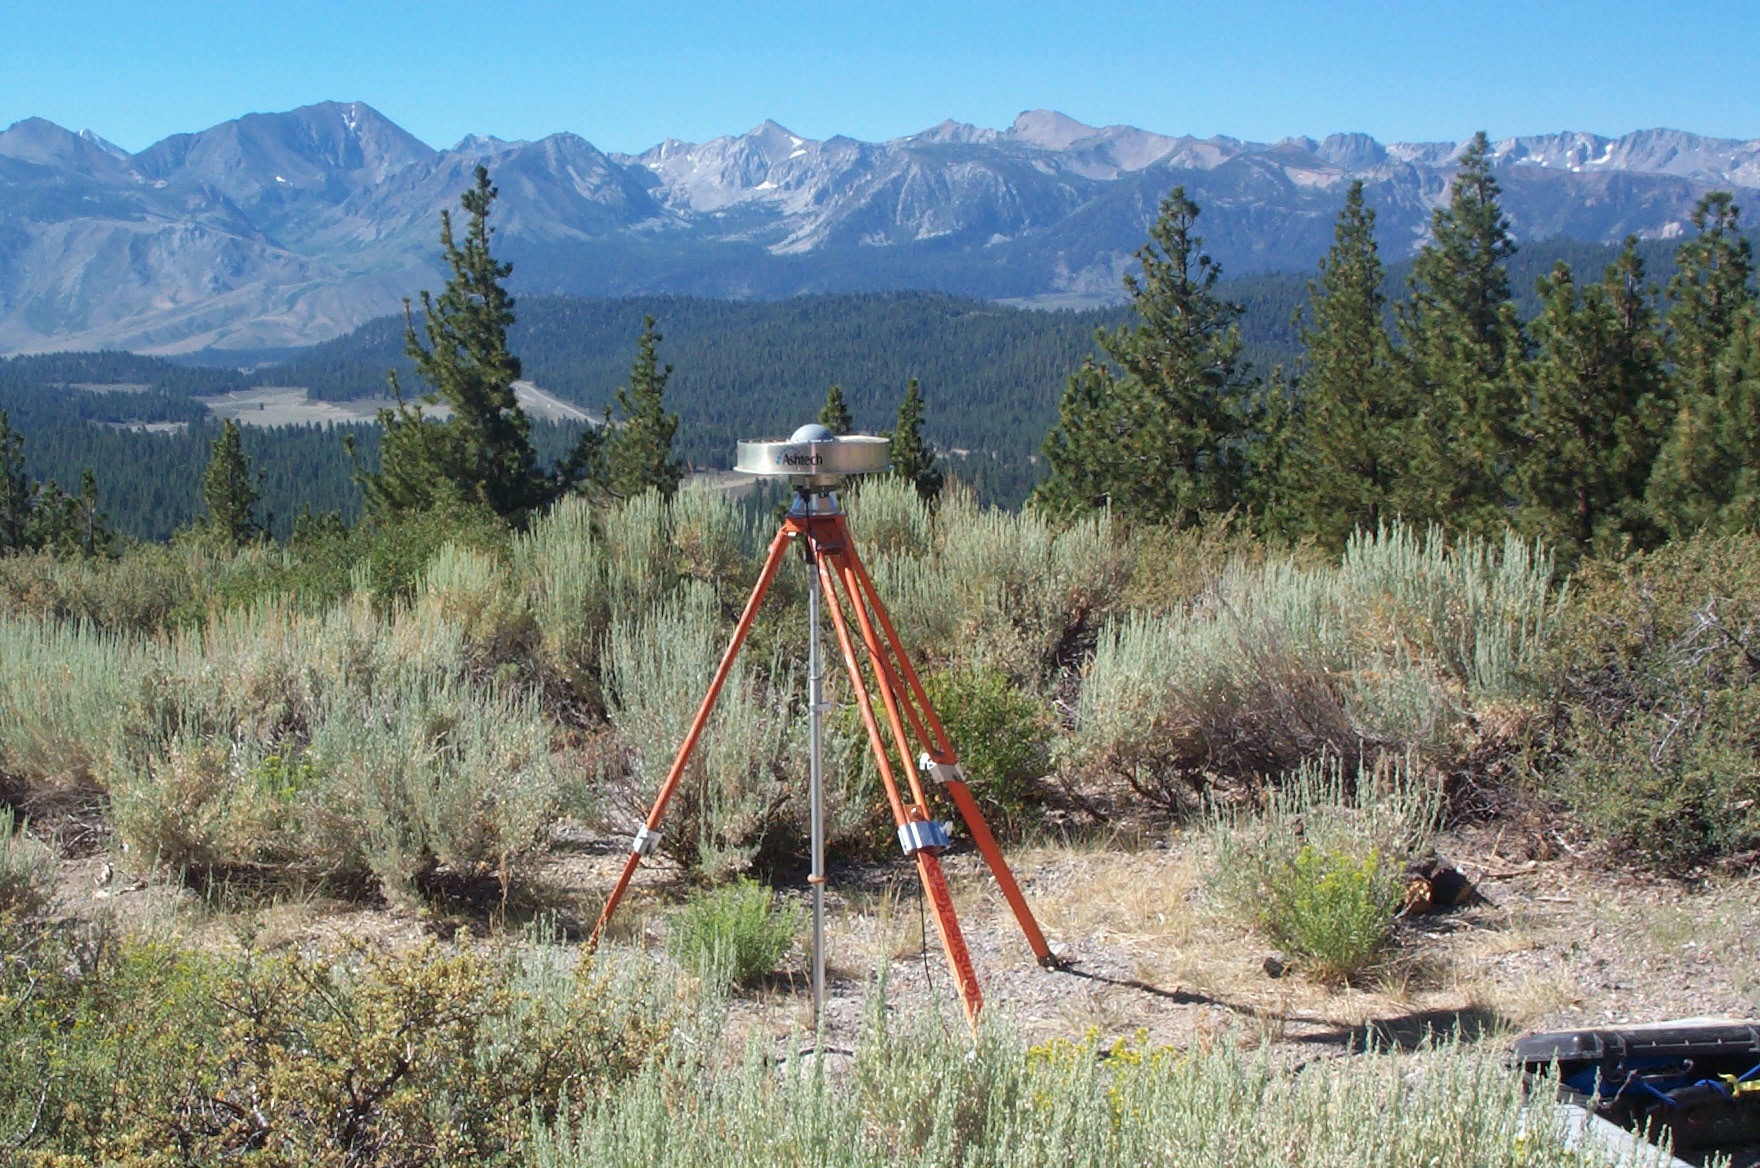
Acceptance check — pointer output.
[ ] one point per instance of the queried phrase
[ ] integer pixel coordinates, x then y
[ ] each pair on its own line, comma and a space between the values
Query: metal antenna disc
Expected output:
814, 457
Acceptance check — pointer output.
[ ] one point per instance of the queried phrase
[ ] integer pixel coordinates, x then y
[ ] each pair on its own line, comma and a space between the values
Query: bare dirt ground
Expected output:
1558, 944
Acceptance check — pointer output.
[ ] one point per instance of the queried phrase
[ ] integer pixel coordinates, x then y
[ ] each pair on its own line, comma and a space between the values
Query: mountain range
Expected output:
279, 230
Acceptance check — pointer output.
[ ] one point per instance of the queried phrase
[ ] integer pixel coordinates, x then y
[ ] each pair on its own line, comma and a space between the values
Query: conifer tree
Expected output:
1710, 290
96, 538
41, 516
1349, 449
15, 490
1595, 390
912, 455
483, 453
1159, 431
834, 414
230, 490
636, 453
1463, 346
57, 522
1708, 475
1704, 474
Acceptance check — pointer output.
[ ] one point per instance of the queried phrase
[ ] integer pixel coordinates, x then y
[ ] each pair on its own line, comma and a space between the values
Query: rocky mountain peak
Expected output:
1047, 129
775, 142
949, 130
43, 142
487, 145
1351, 151
286, 228
329, 148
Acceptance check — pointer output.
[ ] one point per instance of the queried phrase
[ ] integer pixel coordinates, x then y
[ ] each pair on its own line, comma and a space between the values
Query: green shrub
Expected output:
1003, 738
891, 519
125, 1052
141, 590
1319, 871
1658, 678
740, 788
399, 550
65, 696
999, 590
473, 590
580, 566
919, 1095
1033, 594
1333, 910
1279, 662
430, 778
713, 539
27, 869
292, 745
732, 935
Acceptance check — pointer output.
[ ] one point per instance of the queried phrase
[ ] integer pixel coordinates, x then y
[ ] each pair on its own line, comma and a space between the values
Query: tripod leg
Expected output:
933, 736
1011, 891
928, 867
863, 704
941, 749
971, 995
890, 691
650, 833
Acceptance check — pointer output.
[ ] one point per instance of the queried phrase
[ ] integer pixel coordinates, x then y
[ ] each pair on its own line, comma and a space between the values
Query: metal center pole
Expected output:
816, 779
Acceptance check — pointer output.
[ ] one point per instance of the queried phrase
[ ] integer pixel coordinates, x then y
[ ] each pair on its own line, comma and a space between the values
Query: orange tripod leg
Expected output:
889, 688
650, 832
865, 706
941, 752
959, 960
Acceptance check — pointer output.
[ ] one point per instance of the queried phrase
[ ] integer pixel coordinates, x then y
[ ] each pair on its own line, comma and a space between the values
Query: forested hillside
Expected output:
991, 375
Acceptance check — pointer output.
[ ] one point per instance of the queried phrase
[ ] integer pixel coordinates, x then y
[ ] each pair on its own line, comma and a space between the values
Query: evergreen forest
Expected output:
991, 378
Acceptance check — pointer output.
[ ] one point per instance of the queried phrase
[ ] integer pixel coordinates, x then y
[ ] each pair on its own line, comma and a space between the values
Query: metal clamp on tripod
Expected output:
815, 461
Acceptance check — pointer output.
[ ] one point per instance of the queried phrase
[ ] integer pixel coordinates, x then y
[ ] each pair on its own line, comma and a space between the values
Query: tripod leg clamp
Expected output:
940, 772
647, 839
924, 836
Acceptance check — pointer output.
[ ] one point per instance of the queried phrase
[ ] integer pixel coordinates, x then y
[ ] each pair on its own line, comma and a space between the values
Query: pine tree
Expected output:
834, 415
636, 454
1349, 451
912, 455
483, 453
1710, 290
1159, 432
16, 490
1708, 475
230, 490
1704, 476
96, 537
56, 521
1463, 346
1595, 390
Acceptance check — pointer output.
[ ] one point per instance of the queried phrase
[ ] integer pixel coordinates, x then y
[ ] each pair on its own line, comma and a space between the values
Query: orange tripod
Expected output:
832, 563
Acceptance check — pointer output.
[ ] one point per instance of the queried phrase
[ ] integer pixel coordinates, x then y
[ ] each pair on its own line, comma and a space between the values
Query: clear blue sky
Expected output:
626, 75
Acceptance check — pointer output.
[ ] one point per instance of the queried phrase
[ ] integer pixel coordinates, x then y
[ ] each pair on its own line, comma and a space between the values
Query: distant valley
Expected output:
283, 230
